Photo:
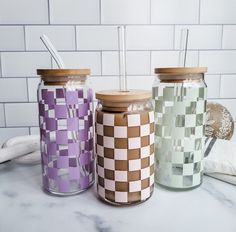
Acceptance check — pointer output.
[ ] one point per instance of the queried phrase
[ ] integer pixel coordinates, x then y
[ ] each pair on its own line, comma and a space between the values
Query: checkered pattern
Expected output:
125, 156
180, 130
66, 128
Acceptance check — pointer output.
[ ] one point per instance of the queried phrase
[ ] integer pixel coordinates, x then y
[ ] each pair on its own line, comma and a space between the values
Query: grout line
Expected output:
20, 102
223, 98
115, 24
199, 12
24, 38
174, 37
128, 50
17, 127
101, 63
76, 46
27, 85
49, 19
4, 113
100, 11
150, 11
222, 34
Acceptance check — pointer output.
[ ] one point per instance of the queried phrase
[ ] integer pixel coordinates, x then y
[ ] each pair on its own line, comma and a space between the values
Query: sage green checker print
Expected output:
179, 135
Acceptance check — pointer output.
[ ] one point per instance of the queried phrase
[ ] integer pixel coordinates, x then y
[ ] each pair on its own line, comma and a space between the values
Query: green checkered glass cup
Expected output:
179, 97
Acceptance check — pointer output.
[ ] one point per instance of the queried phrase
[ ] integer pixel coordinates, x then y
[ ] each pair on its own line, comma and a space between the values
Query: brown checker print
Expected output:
130, 186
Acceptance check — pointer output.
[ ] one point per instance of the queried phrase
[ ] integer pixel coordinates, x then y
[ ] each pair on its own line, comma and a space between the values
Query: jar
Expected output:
124, 130
66, 130
180, 111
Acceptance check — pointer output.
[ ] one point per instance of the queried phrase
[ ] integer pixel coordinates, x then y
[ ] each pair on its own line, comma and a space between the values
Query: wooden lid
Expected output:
181, 70
63, 72
119, 96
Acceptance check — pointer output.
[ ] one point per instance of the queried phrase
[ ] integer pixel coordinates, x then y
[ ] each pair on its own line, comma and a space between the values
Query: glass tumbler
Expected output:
124, 127
66, 130
179, 96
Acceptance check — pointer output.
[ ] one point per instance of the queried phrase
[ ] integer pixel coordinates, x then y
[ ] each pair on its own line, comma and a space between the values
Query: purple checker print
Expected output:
71, 97
48, 97
73, 149
51, 148
51, 124
74, 173
61, 111
83, 110
66, 148
84, 158
60, 93
73, 124
62, 137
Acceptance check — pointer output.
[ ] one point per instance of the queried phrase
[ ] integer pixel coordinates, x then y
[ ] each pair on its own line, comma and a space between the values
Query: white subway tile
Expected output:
125, 12
213, 86
74, 11
2, 116
8, 92
149, 37
32, 88
229, 37
218, 61
34, 130
110, 63
62, 37
228, 83
21, 114
97, 38
171, 59
174, 12
21, 64
90, 60
218, 11
24, 12
200, 37
7, 133
12, 38
140, 82
97, 83
138, 63
229, 104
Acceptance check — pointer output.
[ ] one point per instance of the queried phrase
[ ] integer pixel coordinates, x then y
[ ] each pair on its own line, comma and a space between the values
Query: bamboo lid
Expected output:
180, 74
118, 101
63, 72
181, 70
119, 96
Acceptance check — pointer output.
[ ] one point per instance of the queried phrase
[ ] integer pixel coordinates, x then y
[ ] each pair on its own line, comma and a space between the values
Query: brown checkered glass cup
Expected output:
124, 128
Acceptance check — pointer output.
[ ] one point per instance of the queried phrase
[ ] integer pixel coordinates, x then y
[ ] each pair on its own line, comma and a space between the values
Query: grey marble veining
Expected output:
25, 207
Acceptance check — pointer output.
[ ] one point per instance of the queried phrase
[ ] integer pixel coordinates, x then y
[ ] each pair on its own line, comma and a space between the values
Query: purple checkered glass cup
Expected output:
66, 130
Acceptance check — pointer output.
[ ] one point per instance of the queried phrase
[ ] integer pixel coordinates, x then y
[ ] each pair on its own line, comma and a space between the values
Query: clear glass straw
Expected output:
183, 47
122, 58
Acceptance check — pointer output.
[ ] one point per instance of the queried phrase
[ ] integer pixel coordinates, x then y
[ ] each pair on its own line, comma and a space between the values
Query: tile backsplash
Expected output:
85, 33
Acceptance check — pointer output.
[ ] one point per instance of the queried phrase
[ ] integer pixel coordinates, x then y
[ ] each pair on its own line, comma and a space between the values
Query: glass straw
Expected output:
183, 47
122, 58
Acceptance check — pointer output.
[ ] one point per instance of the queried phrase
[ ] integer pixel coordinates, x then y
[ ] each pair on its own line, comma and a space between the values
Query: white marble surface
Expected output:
24, 207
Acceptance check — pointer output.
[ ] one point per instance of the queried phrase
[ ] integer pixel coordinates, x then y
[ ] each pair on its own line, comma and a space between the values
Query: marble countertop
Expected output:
25, 207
